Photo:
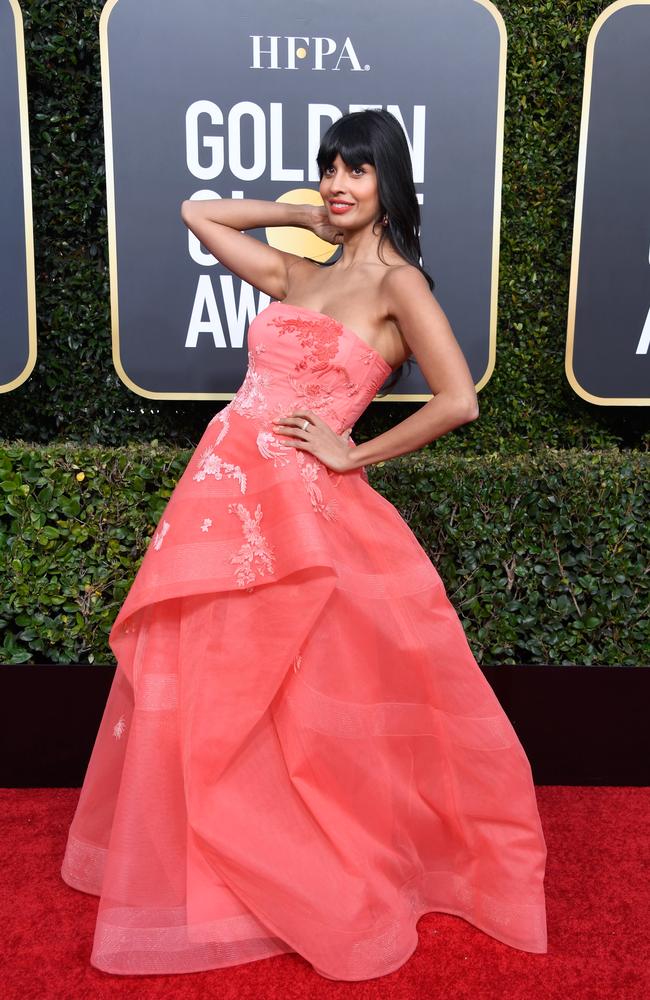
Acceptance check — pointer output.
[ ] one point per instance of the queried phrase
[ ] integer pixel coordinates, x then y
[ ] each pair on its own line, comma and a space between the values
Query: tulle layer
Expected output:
299, 752
305, 766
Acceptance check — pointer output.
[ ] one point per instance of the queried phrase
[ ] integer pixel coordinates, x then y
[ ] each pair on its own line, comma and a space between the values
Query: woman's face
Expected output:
356, 187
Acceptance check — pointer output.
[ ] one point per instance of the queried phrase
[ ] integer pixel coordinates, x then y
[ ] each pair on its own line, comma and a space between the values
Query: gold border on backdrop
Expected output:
577, 216
498, 183
112, 240
30, 275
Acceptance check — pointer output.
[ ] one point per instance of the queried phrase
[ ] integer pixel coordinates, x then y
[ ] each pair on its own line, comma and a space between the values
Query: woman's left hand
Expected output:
331, 448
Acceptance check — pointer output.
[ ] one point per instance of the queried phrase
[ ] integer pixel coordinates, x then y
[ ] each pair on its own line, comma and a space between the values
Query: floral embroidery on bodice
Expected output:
297, 359
318, 337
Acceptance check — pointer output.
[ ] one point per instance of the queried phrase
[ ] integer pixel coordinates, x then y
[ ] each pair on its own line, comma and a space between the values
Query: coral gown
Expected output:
299, 752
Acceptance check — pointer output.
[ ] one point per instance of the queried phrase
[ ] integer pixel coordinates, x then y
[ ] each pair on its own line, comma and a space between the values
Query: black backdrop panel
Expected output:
608, 348
232, 100
17, 296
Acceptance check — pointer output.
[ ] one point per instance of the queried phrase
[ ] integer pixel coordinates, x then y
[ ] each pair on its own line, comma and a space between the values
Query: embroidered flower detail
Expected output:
310, 394
323, 393
319, 337
119, 728
317, 397
211, 464
207, 523
250, 399
255, 554
224, 417
334, 477
157, 539
309, 474
270, 447
351, 388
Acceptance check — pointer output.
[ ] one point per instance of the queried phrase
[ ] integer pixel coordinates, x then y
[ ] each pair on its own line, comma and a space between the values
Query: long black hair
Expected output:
375, 136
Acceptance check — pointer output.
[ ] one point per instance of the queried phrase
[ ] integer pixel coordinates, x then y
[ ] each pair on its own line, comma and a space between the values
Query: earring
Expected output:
385, 220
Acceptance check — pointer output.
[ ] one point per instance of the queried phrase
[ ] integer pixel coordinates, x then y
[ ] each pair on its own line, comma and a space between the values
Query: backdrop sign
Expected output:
214, 100
608, 330
18, 323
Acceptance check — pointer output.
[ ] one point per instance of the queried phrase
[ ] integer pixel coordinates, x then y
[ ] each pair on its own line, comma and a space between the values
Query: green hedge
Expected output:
544, 556
535, 514
74, 393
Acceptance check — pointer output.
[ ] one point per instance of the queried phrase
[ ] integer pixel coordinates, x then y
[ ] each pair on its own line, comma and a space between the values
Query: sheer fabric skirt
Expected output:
306, 765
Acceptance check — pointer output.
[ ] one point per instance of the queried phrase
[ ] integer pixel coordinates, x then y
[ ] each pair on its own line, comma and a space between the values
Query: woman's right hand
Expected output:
321, 226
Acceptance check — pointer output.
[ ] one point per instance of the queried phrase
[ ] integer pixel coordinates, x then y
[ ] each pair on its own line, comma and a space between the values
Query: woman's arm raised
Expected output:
217, 222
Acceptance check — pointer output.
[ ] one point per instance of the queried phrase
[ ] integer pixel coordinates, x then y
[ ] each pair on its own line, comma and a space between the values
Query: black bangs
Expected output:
346, 136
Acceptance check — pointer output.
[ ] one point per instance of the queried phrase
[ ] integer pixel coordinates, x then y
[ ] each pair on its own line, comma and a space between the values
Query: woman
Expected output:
299, 752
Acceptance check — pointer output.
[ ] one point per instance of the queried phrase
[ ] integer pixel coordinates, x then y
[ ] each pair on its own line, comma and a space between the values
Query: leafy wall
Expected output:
74, 394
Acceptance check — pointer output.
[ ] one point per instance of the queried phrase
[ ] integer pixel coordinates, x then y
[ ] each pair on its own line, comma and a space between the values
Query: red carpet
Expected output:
598, 920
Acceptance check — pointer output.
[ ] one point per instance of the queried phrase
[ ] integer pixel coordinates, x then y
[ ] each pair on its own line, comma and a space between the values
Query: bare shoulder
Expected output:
408, 300
401, 281
422, 322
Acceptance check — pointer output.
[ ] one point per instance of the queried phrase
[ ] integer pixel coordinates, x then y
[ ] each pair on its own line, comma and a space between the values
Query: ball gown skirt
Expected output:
299, 752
